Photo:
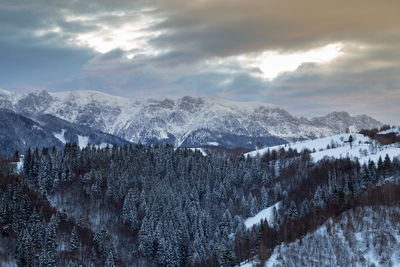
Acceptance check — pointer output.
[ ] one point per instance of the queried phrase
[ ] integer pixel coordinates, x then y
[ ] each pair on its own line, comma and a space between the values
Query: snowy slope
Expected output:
372, 239
392, 130
317, 144
194, 149
362, 152
60, 136
186, 121
363, 148
265, 214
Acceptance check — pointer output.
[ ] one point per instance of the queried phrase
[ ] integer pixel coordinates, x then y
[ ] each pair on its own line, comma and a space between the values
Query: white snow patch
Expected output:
213, 143
60, 136
371, 258
317, 144
35, 127
262, 215
102, 145
353, 129
392, 130
363, 148
252, 263
360, 152
163, 134
194, 149
83, 141
20, 164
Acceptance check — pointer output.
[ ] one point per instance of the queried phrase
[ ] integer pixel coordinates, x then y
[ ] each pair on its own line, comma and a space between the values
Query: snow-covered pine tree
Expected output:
74, 241
129, 210
293, 212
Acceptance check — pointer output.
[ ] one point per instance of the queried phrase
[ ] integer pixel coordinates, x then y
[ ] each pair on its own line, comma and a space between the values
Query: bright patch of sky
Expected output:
272, 63
129, 33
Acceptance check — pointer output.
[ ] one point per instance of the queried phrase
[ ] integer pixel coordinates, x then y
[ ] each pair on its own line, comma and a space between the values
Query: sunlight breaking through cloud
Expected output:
272, 63
130, 33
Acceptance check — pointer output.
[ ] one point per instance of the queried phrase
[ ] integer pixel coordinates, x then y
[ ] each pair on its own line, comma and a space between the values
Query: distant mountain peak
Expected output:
343, 119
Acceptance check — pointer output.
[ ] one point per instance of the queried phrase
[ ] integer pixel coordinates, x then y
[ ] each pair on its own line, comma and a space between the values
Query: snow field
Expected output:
363, 148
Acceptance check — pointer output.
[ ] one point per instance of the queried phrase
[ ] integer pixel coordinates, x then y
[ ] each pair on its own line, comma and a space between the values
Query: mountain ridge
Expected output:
19, 132
188, 121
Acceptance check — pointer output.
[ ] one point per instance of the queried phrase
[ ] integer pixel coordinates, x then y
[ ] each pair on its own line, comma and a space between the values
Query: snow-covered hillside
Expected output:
395, 130
186, 121
265, 214
366, 236
337, 146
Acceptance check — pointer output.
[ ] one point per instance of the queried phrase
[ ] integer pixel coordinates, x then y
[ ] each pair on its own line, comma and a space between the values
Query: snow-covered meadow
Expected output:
337, 146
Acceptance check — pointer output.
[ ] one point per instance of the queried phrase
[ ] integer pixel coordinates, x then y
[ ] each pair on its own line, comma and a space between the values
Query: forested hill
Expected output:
149, 205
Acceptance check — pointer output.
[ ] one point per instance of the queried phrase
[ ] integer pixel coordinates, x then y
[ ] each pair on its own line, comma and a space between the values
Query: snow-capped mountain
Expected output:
18, 132
343, 120
186, 121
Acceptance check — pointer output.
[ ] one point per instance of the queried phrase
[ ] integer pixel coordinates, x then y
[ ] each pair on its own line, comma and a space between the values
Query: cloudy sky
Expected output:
309, 57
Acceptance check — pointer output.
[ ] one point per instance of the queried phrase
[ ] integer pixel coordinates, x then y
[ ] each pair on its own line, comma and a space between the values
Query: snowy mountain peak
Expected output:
343, 120
187, 121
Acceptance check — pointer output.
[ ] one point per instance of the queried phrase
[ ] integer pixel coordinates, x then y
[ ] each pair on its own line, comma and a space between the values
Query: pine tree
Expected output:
226, 224
28, 163
74, 241
245, 207
253, 205
372, 171
304, 208
129, 210
387, 166
23, 249
226, 254
48, 255
102, 241
293, 213
396, 164
365, 177
350, 140
145, 238
110, 259
318, 201
380, 167
265, 202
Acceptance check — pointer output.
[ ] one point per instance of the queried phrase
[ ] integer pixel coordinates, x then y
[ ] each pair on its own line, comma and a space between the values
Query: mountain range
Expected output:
186, 121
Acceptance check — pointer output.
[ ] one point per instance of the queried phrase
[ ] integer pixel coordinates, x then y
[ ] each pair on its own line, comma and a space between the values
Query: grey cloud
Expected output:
195, 33
24, 64
233, 27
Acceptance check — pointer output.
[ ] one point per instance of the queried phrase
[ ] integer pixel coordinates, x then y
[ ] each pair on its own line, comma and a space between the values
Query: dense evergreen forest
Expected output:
158, 205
